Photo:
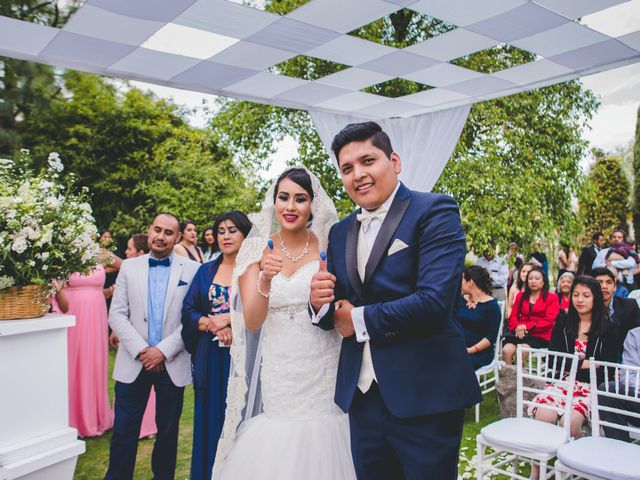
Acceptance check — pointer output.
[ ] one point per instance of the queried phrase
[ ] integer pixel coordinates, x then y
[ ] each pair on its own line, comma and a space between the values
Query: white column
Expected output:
36, 442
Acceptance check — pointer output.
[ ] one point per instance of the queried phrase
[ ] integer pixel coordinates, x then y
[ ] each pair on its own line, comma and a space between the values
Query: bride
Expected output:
281, 420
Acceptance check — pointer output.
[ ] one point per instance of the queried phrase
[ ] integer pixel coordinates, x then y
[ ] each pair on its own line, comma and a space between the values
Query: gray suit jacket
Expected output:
128, 318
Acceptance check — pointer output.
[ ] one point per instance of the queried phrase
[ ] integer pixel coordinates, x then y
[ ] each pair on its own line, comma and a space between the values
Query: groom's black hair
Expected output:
361, 132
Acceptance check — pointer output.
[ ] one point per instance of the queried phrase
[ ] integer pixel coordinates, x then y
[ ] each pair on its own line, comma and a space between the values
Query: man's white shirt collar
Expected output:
387, 203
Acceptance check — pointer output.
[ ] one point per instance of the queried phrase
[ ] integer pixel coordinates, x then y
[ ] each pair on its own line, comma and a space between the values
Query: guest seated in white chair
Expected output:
586, 331
630, 356
532, 317
479, 315
563, 290
520, 278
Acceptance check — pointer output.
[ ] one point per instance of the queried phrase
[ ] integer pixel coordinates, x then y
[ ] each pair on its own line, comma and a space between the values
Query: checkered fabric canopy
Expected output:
225, 48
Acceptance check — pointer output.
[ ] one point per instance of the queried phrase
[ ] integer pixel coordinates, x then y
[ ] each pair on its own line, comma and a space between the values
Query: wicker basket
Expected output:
24, 302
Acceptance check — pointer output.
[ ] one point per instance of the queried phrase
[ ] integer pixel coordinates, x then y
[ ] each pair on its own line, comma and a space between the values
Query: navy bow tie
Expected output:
165, 262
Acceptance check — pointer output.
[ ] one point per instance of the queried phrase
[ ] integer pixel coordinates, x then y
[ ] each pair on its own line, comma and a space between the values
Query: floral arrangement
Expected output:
47, 230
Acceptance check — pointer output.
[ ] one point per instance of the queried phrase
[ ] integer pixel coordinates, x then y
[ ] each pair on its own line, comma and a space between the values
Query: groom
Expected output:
390, 287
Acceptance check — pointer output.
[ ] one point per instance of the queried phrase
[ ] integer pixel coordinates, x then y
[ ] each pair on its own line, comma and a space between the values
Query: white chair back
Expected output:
621, 382
561, 369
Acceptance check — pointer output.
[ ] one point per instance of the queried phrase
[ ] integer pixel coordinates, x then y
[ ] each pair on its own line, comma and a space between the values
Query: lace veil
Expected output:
243, 392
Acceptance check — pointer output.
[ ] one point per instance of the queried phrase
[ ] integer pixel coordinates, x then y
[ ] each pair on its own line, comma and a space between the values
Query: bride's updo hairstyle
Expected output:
298, 176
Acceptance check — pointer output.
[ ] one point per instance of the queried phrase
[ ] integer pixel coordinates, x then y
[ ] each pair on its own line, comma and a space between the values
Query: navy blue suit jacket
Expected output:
410, 297
196, 304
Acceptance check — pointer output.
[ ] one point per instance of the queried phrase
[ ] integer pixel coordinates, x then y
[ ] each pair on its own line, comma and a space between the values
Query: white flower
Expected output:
47, 234
25, 151
86, 207
45, 184
55, 163
53, 202
19, 245
6, 282
29, 232
31, 263
24, 192
42, 256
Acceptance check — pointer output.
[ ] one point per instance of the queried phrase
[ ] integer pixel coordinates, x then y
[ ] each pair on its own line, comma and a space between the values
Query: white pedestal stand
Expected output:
36, 442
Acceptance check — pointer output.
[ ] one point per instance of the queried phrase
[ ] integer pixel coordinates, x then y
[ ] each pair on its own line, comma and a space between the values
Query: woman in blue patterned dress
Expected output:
207, 333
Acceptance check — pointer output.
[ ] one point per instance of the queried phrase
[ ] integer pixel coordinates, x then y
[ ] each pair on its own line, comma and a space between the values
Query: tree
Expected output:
514, 171
636, 171
603, 199
137, 155
26, 87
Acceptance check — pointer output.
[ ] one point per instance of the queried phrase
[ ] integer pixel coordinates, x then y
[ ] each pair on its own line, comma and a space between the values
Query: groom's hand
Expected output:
342, 318
322, 285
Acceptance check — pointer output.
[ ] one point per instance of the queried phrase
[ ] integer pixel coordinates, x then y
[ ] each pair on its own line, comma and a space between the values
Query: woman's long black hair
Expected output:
520, 283
203, 242
599, 314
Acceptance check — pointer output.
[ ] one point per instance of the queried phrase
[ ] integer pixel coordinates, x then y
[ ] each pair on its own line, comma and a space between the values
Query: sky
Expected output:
612, 126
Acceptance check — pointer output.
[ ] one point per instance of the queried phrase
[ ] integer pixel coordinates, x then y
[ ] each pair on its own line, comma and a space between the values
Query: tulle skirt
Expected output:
291, 449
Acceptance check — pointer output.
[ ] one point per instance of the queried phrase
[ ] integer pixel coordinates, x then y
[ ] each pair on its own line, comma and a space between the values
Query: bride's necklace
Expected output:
297, 258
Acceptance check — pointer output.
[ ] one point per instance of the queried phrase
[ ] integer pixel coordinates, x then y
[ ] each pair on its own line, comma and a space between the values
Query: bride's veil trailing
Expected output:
244, 399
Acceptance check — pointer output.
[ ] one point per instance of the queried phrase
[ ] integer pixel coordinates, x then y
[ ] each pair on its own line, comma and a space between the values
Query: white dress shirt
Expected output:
366, 238
497, 268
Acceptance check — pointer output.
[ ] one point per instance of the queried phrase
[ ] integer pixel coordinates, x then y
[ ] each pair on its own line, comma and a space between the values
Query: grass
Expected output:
93, 464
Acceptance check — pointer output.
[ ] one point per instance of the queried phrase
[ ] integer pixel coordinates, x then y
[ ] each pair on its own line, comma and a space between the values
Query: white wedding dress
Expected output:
301, 433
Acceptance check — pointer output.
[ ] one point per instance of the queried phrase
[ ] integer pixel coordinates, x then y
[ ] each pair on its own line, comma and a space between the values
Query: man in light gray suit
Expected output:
145, 314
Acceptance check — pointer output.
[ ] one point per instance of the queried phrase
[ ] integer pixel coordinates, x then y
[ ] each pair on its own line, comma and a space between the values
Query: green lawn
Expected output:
93, 464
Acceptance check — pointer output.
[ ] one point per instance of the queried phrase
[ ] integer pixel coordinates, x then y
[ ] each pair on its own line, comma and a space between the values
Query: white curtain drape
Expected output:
424, 143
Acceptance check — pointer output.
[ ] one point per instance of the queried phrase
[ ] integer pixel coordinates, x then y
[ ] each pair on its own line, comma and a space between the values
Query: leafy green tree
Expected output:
603, 199
137, 155
514, 171
26, 87
636, 171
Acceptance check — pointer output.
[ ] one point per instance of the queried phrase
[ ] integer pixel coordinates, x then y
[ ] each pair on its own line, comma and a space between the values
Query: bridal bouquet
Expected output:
47, 230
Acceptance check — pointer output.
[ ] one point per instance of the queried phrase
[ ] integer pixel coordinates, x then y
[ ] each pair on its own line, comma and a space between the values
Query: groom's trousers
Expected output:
385, 447
130, 403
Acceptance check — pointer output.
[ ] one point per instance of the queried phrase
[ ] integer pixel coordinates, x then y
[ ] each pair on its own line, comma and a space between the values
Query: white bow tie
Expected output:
366, 217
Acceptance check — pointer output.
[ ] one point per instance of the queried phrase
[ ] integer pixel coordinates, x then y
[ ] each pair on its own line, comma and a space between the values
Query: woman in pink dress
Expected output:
88, 361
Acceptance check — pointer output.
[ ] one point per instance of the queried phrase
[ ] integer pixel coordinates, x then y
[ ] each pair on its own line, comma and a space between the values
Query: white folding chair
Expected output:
525, 439
487, 375
597, 457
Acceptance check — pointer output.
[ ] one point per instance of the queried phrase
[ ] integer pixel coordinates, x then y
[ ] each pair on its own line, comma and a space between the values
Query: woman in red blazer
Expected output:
533, 315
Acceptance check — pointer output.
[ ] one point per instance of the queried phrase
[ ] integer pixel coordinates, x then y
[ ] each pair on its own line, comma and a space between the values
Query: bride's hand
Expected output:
271, 265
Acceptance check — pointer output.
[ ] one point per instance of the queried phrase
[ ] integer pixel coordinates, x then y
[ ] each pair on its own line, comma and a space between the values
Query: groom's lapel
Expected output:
352, 256
387, 229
